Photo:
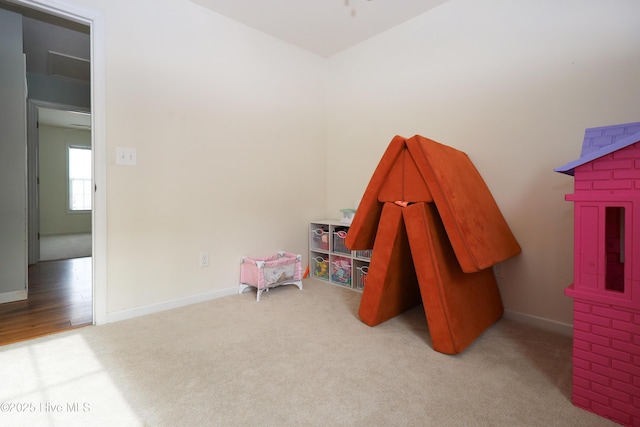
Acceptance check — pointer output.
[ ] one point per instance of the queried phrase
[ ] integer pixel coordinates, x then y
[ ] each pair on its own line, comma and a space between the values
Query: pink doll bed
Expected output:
268, 272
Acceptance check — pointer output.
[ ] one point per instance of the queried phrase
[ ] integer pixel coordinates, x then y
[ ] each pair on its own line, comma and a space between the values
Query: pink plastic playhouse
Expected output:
606, 288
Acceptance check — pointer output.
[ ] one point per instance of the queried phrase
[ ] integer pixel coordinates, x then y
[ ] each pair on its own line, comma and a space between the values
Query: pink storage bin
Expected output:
341, 271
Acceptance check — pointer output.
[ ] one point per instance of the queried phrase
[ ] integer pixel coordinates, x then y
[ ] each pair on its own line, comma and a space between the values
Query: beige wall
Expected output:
55, 217
230, 131
242, 139
514, 85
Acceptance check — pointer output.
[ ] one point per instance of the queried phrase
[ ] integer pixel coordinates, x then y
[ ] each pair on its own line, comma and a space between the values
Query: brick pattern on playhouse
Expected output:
606, 361
606, 326
615, 173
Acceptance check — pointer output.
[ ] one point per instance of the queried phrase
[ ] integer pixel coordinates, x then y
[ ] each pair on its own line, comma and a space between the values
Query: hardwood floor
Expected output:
60, 298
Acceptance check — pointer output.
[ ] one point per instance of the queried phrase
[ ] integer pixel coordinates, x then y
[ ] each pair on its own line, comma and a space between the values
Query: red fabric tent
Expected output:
435, 231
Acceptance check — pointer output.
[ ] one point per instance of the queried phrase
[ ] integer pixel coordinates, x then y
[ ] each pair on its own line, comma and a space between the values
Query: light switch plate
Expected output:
126, 156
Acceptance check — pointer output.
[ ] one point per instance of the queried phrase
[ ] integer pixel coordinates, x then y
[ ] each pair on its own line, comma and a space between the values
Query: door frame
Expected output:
33, 170
95, 21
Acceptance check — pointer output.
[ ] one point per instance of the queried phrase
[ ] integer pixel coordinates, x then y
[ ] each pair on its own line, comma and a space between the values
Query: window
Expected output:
614, 244
79, 178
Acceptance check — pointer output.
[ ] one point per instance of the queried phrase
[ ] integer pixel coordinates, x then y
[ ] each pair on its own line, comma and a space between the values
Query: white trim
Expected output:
144, 310
69, 233
12, 296
540, 322
98, 127
37, 103
95, 21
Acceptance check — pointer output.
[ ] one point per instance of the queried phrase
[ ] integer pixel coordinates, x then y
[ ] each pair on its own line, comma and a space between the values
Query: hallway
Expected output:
60, 298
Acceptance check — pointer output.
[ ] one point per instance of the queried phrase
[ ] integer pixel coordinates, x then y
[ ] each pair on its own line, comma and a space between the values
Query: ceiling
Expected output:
324, 27
58, 47
65, 119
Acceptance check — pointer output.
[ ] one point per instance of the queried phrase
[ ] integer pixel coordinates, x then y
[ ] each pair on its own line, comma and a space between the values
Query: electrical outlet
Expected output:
204, 259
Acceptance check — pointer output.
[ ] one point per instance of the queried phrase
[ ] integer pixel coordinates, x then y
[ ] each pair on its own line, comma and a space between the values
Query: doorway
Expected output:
60, 199
92, 22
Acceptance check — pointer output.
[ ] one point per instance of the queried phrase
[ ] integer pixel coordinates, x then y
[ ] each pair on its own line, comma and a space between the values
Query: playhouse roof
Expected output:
601, 141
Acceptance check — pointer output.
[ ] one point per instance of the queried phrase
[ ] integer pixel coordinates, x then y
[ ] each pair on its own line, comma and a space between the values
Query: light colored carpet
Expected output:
296, 358
65, 246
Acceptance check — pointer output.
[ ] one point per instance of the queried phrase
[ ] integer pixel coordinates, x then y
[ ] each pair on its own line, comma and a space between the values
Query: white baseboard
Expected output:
540, 322
130, 313
13, 296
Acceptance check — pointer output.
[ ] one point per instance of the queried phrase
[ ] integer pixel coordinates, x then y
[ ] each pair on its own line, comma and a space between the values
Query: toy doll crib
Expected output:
268, 272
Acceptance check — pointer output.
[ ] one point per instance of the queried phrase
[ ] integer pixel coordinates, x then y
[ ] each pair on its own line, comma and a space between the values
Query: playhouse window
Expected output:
614, 248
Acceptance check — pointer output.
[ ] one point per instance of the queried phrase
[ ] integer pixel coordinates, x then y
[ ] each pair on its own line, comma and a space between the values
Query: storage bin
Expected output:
361, 276
366, 254
320, 267
341, 271
339, 235
263, 273
320, 238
